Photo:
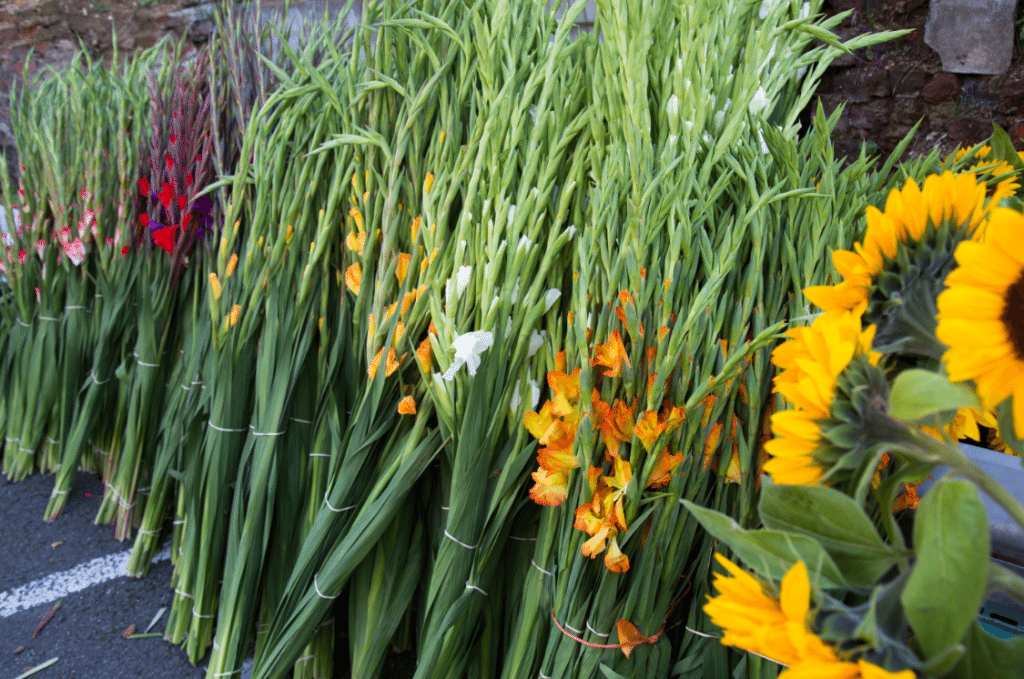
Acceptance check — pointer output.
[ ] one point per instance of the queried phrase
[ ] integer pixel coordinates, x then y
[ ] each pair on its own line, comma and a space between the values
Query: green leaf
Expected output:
988, 656
917, 394
1002, 148
835, 521
947, 583
610, 673
772, 552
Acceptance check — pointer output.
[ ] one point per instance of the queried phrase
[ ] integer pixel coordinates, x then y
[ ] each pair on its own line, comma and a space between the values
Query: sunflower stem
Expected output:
1006, 581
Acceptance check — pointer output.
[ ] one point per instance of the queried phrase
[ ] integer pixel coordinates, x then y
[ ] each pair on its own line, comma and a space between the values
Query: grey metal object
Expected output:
1007, 536
972, 36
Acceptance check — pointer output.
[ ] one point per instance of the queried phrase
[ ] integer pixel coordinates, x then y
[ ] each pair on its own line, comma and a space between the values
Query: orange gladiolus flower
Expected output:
711, 443
390, 366
557, 459
403, 266
407, 406
611, 355
423, 355
615, 560
567, 391
615, 422
355, 241
354, 278
662, 473
648, 429
551, 488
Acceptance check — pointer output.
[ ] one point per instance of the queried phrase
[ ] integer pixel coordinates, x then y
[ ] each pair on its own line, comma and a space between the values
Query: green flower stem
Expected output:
924, 448
1005, 581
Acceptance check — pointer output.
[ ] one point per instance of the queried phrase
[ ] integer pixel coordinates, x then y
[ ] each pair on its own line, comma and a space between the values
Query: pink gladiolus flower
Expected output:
39, 248
21, 256
38, 299
75, 251
65, 234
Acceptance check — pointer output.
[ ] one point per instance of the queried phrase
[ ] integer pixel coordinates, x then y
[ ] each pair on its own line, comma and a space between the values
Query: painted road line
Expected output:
59, 585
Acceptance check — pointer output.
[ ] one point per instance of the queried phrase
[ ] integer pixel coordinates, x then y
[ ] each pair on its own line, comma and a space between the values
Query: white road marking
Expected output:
58, 585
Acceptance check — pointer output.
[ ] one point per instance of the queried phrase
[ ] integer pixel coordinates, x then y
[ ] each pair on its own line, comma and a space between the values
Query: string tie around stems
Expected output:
319, 593
179, 592
227, 674
305, 658
93, 378
139, 361
73, 306
513, 537
148, 532
197, 615
48, 318
319, 454
342, 509
469, 586
539, 568
295, 419
228, 431
24, 325
51, 441
265, 433
596, 632
461, 544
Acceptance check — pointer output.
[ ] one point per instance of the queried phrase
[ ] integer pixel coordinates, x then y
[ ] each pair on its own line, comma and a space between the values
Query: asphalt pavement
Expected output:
82, 564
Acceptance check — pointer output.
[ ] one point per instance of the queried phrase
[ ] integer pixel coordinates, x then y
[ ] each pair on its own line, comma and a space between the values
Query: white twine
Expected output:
144, 490
148, 365
469, 586
343, 509
542, 675
319, 454
197, 615
463, 544
26, 325
60, 492
25, 450
49, 440
596, 632
226, 430
150, 532
513, 537
539, 568
178, 591
295, 419
178, 522
305, 658
227, 674
268, 433
317, 588
47, 318
10, 440
75, 306
444, 509
97, 381
97, 295
577, 631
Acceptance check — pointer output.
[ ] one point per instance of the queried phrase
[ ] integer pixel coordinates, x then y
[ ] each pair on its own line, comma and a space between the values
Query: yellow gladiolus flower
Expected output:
407, 406
216, 286
232, 263
403, 266
427, 183
234, 314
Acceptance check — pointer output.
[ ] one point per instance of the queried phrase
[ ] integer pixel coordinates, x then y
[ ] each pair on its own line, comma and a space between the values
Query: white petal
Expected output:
550, 298
463, 279
536, 340
535, 391
524, 242
673, 105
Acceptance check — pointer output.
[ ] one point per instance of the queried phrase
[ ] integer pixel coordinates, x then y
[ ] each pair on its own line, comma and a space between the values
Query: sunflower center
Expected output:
1013, 316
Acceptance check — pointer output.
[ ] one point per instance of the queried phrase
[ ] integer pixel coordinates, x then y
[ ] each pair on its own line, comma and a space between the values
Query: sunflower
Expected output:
811, 364
896, 273
981, 315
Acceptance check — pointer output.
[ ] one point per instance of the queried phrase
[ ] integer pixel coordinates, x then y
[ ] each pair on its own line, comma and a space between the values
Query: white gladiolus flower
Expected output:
719, 121
673, 105
764, 146
571, 230
515, 291
801, 72
463, 279
672, 139
508, 326
759, 101
513, 405
468, 348
524, 242
448, 292
679, 64
688, 124
771, 52
550, 298
805, 11
536, 340
766, 7
511, 213
535, 394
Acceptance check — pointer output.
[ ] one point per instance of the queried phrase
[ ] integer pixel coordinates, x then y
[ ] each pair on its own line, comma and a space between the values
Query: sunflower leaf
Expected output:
772, 552
835, 521
918, 394
951, 538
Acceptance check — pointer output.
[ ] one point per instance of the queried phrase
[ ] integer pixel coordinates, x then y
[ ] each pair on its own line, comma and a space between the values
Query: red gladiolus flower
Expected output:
144, 187
22, 255
166, 195
182, 202
172, 137
124, 251
188, 179
144, 218
170, 163
164, 238
184, 222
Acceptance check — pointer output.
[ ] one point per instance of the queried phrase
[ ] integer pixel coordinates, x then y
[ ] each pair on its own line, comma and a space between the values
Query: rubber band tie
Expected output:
596, 632
47, 318
184, 594
469, 586
74, 306
25, 325
512, 537
197, 615
319, 454
295, 419
462, 544
317, 588
227, 674
97, 381
139, 361
266, 433
149, 532
305, 658
60, 492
